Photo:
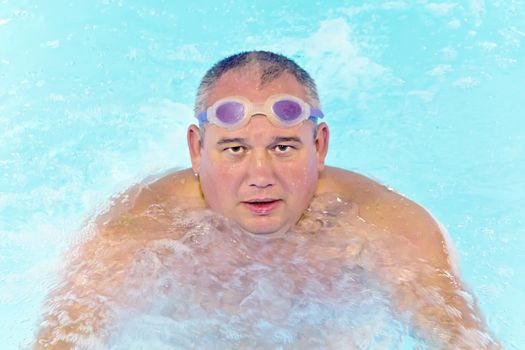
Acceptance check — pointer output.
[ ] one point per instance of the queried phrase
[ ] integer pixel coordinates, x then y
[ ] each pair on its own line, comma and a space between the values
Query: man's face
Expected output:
261, 175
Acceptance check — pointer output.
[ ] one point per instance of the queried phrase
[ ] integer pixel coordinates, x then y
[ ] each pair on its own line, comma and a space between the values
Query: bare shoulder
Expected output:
351, 185
172, 189
389, 210
180, 188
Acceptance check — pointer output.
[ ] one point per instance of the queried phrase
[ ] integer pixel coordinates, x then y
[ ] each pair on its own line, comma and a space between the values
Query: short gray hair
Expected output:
269, 65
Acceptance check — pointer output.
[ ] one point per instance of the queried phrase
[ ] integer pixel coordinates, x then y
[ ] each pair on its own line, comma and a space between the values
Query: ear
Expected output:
195, 147
321, 144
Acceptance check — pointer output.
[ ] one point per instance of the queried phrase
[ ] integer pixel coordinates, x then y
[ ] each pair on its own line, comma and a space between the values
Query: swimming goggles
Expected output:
282, 110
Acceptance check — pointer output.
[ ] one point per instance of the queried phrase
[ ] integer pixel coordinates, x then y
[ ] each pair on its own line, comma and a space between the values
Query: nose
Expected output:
261, 172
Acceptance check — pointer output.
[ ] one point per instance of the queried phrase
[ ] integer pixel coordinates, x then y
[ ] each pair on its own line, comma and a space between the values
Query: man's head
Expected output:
267, 66
262, 175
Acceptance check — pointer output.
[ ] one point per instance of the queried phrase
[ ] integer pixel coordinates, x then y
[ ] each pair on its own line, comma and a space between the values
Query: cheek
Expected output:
301, 179
219, 179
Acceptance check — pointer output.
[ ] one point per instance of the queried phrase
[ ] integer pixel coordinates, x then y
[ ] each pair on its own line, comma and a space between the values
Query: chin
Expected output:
266, 230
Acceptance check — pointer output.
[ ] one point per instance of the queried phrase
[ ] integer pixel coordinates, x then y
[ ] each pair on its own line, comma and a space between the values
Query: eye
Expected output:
283, 149
235, 149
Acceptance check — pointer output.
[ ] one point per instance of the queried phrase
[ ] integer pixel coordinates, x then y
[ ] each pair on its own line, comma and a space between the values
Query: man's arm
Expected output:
79, 309
416, 263
440, 306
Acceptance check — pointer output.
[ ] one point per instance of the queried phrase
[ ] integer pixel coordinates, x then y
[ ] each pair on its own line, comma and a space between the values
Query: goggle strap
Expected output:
202, 117
315, 112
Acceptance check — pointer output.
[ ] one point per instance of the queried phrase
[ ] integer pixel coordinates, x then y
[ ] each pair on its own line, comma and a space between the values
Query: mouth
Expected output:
263, 206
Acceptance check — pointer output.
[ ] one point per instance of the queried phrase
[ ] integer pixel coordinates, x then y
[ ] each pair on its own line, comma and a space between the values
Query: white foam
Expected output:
216, 286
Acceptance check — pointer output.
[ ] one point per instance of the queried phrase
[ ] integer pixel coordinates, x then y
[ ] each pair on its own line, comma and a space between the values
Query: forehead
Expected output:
246, 82
259, 131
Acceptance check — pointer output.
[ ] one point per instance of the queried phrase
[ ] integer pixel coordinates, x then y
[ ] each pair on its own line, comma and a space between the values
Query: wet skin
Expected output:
263, 178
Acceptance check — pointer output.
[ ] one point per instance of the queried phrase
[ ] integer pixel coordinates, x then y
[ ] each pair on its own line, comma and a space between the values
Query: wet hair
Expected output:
267, 64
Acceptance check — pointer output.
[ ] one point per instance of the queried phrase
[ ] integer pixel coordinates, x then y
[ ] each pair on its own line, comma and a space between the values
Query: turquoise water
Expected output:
423, 96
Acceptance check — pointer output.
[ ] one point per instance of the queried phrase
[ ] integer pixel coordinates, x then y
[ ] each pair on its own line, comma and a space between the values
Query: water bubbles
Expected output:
198, 281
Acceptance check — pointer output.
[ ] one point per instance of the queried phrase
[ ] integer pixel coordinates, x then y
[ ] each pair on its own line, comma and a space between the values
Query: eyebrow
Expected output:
234, 140
275, 140
286, 139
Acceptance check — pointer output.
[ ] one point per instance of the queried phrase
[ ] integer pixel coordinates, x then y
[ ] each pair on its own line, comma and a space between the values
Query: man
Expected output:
258, 160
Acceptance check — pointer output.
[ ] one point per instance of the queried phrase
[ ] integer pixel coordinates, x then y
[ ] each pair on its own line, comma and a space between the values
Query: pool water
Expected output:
423, 96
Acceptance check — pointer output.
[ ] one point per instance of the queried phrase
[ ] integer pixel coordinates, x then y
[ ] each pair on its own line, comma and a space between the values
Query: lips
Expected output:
262, 206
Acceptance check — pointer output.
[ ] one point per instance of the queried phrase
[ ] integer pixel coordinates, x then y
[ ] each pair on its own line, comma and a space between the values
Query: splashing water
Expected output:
201, 282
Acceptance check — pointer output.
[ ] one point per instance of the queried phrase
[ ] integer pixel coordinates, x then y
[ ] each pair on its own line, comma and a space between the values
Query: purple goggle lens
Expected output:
230, 113
287, 110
